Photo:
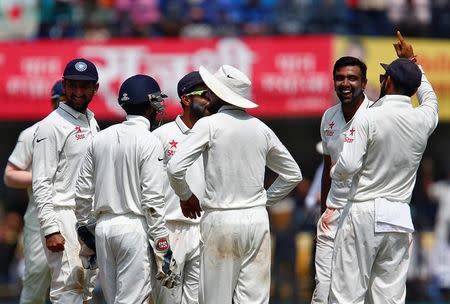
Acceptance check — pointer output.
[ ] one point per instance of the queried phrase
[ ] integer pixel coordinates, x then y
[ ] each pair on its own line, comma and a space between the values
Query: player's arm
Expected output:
85, 188
351, 157
152, 202
45, 163
280, 161
16, 174
15, 177
326, 182
189, 151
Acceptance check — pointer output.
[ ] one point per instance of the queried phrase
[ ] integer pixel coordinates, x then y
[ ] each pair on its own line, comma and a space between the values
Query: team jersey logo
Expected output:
329, 131
78, 133
350, 136
173, 146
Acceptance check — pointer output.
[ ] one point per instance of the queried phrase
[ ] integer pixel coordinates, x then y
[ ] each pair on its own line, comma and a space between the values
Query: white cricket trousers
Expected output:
70, 282
235, 256
368, 267
36, 279
185, 243
123, 257
326, 232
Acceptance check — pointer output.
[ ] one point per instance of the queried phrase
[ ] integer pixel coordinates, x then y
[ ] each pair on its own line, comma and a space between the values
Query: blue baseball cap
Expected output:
80, 69
404, 72
188, 82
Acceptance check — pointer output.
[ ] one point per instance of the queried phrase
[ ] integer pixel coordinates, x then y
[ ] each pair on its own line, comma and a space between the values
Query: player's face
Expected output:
79, 93
349, 84
199, 102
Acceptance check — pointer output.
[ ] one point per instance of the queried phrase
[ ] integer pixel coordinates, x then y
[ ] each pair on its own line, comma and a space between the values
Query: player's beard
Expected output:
79, 104
198, 111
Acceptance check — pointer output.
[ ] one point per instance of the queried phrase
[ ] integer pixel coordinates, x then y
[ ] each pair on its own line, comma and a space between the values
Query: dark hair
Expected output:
135, 109
350, 61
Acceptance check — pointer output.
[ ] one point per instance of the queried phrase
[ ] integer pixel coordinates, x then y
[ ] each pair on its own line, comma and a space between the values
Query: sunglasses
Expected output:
201, 93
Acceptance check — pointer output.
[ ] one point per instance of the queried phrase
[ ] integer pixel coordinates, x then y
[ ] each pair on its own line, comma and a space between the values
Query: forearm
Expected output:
18, 179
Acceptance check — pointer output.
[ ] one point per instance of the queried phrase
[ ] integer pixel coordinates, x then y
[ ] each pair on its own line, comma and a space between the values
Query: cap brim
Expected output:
80, 77
384, 65
224, 92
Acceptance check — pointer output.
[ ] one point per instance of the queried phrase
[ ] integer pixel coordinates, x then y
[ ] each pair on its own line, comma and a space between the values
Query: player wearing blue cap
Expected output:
184, 232
60, 143
36, 278
381, 152
123, 167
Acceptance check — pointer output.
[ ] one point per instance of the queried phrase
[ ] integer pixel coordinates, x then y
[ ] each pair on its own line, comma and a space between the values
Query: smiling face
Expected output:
79, 93
349, 84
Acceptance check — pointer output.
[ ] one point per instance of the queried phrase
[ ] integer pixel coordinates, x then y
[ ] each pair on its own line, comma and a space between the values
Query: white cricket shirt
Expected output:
22, 158
171, 136
236, 147
333, 130
60, 143
123, 167
384, 147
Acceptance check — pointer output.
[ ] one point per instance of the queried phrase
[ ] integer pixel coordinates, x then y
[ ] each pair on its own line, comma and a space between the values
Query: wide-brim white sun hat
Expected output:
229, 84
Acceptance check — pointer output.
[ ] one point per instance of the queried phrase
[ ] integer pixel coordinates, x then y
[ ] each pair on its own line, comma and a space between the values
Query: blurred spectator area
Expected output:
102, 19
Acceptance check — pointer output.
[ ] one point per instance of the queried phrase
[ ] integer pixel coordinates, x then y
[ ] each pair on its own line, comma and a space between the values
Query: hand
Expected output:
403, 48
166, 266
55, 242
191, 208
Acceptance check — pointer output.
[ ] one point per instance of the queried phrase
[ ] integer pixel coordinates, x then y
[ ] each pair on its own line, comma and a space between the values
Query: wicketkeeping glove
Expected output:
87, 252
166, 266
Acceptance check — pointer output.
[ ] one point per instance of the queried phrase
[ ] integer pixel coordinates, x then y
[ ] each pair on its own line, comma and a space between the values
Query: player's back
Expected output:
119, 154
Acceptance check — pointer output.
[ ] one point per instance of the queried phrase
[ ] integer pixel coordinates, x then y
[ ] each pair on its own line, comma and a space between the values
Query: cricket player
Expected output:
36, 279
236, 147
382, 152
184, 232
123, 167
60, 142
349, 76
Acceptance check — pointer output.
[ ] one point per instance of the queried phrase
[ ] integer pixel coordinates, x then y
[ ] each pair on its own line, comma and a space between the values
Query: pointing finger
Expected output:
400, 37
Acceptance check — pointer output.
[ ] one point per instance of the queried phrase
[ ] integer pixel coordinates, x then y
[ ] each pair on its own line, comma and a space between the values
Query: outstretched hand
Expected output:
403, 48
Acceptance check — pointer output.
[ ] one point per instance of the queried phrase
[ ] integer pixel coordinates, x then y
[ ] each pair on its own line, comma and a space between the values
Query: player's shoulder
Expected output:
331, 111
165, 128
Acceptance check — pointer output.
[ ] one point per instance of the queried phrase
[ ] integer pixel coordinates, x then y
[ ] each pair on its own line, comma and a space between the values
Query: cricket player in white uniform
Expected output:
184, 232
235, 238
382, 153
36, 278
60, 143
349, 76
123, 168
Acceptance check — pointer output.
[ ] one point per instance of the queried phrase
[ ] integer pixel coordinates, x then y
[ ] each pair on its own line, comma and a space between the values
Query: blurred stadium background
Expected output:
287, 47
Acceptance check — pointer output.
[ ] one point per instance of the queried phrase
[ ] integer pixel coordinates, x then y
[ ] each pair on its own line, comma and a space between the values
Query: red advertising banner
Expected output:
291, 76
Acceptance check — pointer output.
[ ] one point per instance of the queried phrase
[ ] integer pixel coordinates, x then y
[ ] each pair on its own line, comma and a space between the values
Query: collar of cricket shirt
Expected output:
75, 113
137, 120
230, 107
183, 128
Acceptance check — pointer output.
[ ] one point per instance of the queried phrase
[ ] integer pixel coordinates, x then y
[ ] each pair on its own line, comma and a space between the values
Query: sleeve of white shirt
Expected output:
45, 163
322, 134
280, 161
151, 185
190, 149
84, 189
351, 157
22, 155
428, 102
